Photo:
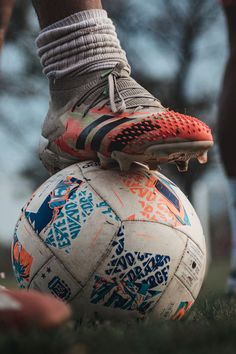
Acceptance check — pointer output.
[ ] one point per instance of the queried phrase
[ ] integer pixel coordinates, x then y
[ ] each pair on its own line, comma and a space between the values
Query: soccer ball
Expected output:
114, 244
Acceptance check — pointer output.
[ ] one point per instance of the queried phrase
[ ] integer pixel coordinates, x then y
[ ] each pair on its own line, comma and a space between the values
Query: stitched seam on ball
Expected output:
115, 212
103, 199
177, 267
172, 227
38, 239
190, 292
39, 270
56, 256
167, 286
109, 250
101, 260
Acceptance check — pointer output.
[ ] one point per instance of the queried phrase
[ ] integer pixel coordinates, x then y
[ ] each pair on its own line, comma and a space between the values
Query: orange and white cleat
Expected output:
110, 117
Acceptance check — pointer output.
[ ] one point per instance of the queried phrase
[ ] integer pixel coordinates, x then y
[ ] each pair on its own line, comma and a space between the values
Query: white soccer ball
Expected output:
114, 244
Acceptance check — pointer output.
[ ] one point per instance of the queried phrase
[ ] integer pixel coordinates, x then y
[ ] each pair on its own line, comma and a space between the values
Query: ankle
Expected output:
46, 9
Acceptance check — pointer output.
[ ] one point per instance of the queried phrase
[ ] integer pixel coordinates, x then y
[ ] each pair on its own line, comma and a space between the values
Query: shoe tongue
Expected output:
135, 95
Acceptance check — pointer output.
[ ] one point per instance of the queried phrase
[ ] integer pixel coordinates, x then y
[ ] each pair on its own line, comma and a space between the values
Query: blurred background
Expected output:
177, 50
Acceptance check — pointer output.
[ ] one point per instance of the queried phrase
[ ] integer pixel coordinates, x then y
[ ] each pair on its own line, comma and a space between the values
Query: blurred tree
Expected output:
24, 84
173, 28
21, 34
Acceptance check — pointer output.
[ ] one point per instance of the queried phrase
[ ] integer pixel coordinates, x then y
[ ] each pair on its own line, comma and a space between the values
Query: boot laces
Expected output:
121, 92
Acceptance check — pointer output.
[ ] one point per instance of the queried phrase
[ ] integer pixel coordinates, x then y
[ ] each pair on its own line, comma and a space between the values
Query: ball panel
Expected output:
134, 275
54, 278
39, 196
73, 222
174, 303
48, 201
89, 248
155, 237
192, 268
28, 253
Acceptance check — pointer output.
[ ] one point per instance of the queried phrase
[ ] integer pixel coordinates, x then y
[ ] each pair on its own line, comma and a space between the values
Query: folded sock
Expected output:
81, 43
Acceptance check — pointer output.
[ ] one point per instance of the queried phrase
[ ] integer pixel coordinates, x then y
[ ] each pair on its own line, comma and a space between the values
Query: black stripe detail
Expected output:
80, 144
101, 133
167, 194
116, 146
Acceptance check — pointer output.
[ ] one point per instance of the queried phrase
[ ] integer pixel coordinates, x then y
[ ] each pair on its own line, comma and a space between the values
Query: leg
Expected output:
22, 309
6, 7
227, 103
97, 110
47, 14
226, 134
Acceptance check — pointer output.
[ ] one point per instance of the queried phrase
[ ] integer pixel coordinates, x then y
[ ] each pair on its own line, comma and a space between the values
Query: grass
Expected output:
209, 328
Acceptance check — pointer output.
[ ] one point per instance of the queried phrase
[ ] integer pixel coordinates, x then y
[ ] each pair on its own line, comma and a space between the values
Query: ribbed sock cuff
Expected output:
81, 43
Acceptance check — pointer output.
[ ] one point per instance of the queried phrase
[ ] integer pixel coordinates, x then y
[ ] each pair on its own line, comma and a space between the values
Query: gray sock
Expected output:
81, 43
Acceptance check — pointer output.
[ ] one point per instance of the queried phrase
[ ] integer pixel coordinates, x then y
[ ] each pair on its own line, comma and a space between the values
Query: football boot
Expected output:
109, 117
